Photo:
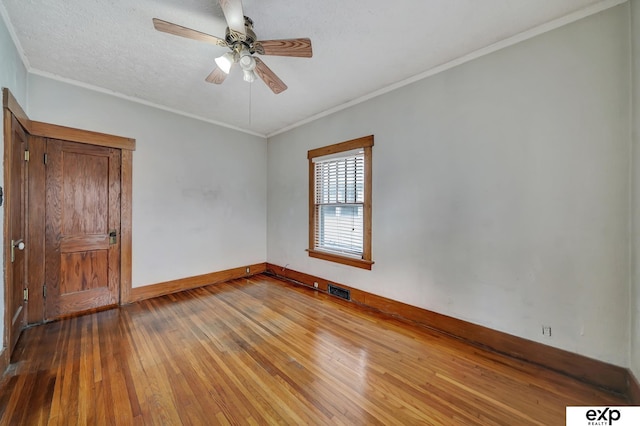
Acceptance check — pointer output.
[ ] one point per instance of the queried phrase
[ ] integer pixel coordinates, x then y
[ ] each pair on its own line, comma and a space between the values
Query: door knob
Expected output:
16, 244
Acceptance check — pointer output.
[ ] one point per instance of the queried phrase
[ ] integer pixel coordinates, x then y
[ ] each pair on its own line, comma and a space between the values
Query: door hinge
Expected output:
45, 159
26, 155
25, 294
44, 291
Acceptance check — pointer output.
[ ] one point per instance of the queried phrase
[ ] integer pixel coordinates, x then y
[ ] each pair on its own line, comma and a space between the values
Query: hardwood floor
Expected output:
262, 351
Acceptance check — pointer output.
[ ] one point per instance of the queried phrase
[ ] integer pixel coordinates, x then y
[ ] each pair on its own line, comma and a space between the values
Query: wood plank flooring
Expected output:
262, 351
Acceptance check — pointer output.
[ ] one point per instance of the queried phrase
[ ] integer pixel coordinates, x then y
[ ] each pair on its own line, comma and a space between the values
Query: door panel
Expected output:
17, 216
85, 186
82, 208
83, 271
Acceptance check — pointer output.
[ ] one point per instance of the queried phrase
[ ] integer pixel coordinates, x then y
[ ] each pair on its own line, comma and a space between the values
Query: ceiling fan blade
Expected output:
298, 47
270, 79
217, 76
168, 27
234, 15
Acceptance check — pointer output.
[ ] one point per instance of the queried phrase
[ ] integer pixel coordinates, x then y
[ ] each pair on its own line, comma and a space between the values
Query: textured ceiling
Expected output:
359, 47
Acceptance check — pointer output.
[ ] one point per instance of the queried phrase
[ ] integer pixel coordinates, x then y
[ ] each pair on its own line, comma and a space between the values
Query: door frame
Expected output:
47, 130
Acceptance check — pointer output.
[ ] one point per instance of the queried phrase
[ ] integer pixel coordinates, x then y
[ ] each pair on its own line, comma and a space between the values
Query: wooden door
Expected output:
82, 244
16, 200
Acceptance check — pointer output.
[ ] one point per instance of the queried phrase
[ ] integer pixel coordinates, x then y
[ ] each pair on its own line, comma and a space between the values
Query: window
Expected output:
340, 202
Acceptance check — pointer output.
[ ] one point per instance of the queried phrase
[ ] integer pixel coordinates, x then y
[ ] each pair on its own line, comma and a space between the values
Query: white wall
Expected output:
13, 75
635, 282
199, 190
500, 190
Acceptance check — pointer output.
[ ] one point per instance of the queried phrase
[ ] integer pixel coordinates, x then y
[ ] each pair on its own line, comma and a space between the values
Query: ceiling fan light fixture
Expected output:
225, 61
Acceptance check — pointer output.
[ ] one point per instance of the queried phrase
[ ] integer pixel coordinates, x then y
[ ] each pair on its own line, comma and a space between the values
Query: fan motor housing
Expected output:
237, 40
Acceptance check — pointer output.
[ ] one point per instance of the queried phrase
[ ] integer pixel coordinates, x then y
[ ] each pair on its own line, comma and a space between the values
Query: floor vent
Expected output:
340, 292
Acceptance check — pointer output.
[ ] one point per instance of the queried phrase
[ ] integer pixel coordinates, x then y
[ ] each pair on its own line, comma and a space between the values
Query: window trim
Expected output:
365, 143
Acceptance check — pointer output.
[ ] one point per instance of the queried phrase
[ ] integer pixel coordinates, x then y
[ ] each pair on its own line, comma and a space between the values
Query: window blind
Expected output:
339, 205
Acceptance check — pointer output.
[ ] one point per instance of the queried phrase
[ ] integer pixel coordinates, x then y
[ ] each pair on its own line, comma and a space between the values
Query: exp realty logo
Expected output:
603, 416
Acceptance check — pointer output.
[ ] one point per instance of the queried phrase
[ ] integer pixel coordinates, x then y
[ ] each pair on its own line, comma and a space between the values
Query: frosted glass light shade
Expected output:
224, 62
247, 62
249, 76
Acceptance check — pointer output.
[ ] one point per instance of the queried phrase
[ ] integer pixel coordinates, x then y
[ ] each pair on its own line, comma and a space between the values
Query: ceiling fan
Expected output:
243, 44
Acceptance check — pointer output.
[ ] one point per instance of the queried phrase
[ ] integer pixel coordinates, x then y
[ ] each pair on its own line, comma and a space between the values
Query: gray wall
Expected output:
13, 75
635, 282
500, 190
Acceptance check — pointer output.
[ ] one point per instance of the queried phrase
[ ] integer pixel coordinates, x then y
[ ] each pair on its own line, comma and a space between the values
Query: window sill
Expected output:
331, 257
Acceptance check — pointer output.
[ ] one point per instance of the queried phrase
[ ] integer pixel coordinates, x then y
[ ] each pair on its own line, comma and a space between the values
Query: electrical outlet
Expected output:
546, 330
315, 285
247, 269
